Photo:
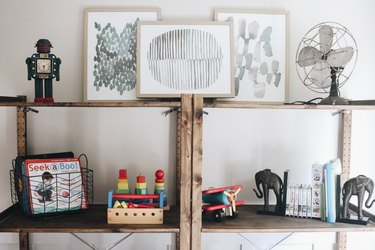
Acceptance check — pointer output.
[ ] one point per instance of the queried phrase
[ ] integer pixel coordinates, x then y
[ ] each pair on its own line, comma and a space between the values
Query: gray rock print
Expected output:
115, 58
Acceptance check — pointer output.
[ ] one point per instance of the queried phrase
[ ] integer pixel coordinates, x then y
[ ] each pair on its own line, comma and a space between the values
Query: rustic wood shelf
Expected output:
252, 105
130, 104
249, 221
187, 220
94, 220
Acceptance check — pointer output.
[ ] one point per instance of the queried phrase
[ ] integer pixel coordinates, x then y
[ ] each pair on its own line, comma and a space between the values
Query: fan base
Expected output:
334, 100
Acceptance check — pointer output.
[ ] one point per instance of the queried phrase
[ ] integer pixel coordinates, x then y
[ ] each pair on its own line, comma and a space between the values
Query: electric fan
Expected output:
326, 58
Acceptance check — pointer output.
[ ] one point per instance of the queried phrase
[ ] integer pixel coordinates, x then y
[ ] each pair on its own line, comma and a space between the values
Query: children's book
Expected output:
317, 181
331, 170
55, 185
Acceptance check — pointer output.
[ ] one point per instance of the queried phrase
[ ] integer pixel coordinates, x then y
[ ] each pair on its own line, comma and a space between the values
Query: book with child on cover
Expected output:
55, 185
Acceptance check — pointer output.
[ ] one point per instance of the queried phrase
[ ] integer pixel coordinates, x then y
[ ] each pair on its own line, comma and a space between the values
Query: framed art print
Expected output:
110, 52
177, 58
260, 54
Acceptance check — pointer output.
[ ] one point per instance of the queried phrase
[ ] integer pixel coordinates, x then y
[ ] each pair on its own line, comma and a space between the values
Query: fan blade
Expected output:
321, 75
308, 56
340, 57
325, 37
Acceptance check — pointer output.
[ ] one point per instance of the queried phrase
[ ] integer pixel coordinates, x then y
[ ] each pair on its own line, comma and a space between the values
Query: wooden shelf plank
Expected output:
249, 221
177, 104
94, 220
252, 105
95, 104
12, 98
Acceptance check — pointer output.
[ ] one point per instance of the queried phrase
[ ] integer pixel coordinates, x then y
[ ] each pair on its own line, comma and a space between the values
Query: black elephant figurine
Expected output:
269, 180
357, 186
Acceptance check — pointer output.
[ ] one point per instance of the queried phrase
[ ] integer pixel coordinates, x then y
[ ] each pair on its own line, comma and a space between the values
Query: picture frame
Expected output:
260, 52
110, 52
184, 57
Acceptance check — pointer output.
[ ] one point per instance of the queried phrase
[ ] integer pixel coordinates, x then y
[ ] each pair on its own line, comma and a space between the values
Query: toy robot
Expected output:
43, 66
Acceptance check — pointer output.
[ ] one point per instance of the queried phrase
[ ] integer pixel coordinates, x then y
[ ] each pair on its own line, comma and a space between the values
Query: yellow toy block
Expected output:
117, 204
159, 185
124, 205
140, 185
122, 186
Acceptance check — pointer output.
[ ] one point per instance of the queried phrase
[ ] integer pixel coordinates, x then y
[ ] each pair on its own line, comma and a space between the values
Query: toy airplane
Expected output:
222, 201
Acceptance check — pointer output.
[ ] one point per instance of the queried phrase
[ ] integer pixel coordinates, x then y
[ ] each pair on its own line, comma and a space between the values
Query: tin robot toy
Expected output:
43, 67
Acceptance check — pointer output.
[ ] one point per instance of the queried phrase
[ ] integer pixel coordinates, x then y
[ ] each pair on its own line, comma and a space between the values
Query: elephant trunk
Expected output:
370, 190
260, 194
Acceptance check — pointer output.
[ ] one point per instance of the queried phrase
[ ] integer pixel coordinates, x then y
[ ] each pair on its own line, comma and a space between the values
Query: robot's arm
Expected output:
58, 62
29, 66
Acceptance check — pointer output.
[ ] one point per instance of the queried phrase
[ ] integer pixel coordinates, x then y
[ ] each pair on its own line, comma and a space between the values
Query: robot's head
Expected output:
43, 46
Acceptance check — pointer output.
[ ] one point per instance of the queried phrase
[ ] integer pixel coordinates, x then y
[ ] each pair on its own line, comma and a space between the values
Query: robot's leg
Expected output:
38, 90
48, 90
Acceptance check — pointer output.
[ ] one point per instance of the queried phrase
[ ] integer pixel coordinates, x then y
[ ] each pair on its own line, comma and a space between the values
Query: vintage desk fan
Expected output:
326, 58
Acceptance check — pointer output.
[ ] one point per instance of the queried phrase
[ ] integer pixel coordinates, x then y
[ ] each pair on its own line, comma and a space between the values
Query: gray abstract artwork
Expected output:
185, 59
255, 63
115, 57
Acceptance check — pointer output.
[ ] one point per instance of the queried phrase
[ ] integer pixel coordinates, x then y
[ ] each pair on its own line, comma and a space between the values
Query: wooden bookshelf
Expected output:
186, 220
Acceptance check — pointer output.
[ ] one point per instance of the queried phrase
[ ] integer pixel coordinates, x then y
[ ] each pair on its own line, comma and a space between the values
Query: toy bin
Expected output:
51, 184
139, 214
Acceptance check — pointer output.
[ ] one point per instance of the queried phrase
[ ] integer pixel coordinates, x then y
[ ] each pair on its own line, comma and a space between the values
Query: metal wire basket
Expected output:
65, 192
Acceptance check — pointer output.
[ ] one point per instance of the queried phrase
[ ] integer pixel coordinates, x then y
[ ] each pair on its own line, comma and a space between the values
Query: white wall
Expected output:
237, 143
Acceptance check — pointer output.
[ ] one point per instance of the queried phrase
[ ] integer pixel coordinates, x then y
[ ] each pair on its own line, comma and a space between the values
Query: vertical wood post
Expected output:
22, 150
21, 129
23, 240
178, 158
346, 138
197, 173
185, 155
345, 153
178, 168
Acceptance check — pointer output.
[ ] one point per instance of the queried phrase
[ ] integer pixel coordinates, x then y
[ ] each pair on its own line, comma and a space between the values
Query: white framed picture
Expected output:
180, 57
110, 52
260, 49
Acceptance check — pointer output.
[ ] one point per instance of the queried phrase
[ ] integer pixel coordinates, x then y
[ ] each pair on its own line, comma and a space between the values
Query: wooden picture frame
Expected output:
110, 52
260, 39
179, 57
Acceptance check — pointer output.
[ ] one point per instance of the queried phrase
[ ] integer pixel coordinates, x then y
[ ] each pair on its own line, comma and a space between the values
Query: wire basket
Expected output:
65, 192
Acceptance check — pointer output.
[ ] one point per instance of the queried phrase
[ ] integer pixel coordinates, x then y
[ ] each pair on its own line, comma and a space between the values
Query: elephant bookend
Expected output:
356, 186
269, 180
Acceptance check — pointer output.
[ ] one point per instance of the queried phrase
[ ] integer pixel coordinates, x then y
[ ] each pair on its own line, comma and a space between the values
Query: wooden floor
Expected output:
249, 221
94, 220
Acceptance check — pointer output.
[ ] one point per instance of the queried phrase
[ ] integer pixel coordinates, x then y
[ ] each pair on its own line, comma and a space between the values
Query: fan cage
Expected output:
342, 37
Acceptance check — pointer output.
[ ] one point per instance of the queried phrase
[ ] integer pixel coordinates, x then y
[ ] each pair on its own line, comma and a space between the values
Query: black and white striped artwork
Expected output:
185, 59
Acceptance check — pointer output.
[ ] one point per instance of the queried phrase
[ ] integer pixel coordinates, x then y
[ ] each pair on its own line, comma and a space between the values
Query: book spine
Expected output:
322, 202
330, 192
317, 179
295, 207
288, 200
304, 195
300, 199
309, 202
338, 195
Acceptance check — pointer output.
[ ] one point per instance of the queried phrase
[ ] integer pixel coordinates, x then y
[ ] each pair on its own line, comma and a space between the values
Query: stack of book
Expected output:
298, 201
321, 198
